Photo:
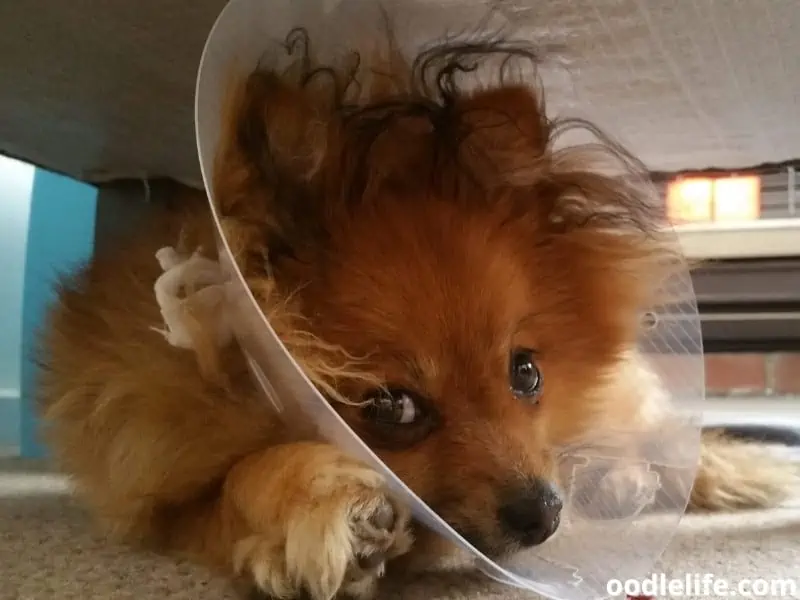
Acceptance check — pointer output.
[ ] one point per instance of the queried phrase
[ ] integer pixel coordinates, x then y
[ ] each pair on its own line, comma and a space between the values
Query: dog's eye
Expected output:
393, 407
524, 377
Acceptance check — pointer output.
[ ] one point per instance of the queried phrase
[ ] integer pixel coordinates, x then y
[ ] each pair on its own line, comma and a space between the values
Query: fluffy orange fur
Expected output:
400, 230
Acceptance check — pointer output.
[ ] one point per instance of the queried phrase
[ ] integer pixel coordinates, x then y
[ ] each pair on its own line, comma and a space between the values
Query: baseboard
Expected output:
766, 411
9, 421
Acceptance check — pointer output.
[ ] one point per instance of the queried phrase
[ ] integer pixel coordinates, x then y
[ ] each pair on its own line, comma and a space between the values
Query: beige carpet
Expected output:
49, 551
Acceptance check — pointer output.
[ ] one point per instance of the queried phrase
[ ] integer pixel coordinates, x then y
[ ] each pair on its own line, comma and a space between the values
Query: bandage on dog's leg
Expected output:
189, 283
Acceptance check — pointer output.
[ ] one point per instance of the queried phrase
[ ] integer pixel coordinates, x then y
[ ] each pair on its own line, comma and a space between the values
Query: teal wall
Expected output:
60, 237
16, 185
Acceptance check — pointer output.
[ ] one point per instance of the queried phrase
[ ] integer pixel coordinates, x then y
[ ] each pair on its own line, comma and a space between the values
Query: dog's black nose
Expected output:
531, 513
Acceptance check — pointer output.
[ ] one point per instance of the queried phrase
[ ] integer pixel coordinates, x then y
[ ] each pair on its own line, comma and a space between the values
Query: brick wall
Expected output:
742, 374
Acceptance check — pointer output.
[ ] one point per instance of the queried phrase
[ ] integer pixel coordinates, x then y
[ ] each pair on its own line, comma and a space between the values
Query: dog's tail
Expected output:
738, 470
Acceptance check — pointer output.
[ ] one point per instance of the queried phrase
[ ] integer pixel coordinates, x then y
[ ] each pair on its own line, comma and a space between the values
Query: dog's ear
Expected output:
268, 168
603, 213
591, 203
506, 133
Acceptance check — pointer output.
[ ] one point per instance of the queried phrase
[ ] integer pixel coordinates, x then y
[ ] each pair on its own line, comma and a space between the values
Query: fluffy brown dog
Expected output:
466, 295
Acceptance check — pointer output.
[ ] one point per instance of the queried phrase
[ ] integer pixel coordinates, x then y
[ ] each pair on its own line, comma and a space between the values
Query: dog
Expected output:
465, 294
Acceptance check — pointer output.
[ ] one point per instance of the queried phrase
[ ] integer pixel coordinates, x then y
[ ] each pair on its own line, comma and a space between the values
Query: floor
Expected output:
50, 551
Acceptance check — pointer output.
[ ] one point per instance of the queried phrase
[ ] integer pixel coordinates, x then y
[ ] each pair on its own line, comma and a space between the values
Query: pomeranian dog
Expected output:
466, 294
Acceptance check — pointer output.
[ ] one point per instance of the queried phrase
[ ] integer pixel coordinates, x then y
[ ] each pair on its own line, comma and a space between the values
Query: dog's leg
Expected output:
732, 473
298, 520
735, 474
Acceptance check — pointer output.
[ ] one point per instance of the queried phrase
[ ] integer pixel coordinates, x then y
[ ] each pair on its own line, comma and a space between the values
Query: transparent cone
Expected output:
625, 491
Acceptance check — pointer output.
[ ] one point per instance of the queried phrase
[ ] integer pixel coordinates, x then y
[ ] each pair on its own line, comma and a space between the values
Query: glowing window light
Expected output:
704, 199
737, 199
690, 200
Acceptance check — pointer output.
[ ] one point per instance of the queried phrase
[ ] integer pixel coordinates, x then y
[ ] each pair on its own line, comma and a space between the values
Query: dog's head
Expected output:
456, 285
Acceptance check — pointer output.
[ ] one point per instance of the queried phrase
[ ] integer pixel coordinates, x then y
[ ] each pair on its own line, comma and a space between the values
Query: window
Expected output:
708, 199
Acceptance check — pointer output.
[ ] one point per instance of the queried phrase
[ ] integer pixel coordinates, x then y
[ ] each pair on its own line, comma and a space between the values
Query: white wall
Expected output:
16, 186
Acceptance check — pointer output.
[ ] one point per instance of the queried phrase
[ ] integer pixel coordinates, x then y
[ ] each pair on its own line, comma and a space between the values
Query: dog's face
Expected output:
483, 307
485, 339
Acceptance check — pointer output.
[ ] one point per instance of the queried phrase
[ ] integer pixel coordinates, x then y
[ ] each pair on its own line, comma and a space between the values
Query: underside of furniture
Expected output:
103, 92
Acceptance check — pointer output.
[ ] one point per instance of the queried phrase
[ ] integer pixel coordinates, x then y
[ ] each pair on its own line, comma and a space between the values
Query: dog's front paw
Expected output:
332, 529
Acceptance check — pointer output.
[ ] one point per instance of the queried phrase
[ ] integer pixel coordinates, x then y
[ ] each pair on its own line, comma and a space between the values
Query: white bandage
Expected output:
190, 283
